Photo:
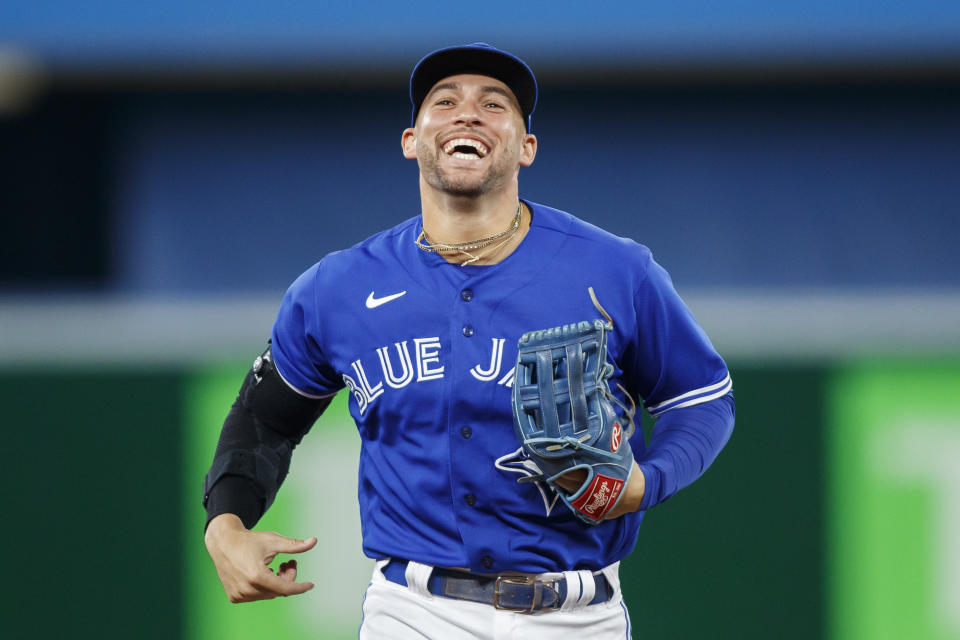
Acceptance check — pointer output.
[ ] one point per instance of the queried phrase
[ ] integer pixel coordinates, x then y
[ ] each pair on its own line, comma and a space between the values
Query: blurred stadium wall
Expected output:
166, 173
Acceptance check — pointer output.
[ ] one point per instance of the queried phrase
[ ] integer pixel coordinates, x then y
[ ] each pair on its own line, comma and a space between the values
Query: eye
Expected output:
444, 102
494, 105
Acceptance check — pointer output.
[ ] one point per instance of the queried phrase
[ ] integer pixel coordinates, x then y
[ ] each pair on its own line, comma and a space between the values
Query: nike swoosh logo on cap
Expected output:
373, 303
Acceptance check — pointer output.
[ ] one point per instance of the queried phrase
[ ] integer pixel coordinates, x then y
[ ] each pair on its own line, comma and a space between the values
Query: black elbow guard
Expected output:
275, 403
268, 419
245, 476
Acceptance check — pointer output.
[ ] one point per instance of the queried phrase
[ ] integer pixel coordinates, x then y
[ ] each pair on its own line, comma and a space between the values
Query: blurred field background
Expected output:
167, 170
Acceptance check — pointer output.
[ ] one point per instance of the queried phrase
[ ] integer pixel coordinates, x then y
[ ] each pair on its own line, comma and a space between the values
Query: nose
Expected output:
468, 114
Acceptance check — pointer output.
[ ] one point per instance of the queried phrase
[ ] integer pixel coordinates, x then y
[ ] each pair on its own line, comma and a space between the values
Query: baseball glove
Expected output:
567, 419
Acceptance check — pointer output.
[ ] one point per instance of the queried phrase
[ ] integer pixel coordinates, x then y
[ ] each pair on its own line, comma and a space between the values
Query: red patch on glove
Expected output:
600, 497
616, 437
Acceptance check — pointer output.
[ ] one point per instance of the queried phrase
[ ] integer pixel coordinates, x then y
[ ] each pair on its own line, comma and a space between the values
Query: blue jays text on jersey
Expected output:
426, 349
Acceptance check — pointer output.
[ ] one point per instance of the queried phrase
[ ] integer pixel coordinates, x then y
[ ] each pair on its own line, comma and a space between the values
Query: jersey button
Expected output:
466, 295
486, 561
470, 499
468, 331
466, 432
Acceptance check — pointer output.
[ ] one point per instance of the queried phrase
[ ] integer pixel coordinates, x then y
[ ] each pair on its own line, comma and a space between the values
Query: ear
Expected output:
528, 150
408, 142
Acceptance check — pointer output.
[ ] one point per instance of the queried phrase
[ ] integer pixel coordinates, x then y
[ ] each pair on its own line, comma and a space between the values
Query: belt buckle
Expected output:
516, 580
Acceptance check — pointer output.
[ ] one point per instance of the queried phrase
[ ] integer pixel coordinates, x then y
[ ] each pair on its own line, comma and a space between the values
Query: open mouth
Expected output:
465, 148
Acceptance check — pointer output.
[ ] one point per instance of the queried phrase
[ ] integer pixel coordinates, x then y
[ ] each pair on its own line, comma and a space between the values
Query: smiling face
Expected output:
469, 138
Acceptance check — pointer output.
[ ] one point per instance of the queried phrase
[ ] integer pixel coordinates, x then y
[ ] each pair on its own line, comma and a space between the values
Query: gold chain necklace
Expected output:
427, 244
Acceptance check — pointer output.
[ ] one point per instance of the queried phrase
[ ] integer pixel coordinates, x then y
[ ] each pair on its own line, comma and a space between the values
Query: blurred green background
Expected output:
827, 515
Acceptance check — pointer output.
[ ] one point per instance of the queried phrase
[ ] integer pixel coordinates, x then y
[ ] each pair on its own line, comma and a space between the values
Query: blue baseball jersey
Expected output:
427, 350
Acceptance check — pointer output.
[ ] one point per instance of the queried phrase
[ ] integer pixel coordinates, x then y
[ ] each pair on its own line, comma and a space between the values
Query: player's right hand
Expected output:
242, 558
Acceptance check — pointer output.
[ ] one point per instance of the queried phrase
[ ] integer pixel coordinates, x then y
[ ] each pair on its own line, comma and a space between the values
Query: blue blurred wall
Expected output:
226, 146
378, 32
816, 186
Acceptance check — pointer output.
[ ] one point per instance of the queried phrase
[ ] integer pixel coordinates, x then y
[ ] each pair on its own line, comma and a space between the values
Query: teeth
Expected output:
481, 148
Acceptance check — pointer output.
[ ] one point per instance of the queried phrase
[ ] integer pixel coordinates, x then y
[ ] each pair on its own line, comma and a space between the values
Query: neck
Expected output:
454, 219
479, 250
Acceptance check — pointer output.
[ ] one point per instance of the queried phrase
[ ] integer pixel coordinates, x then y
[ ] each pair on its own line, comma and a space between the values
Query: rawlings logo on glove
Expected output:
566, 417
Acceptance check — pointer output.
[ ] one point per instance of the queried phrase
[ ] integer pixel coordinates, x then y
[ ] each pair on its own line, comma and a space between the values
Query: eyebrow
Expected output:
455, 86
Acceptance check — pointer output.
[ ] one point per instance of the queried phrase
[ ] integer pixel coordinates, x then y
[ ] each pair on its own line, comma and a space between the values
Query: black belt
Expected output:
523, 594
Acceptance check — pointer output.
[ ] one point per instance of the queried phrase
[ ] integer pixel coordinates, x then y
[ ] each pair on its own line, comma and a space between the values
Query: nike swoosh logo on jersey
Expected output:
373, 303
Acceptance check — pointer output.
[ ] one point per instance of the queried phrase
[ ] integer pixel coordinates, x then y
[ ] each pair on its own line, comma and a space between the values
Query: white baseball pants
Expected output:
394, 612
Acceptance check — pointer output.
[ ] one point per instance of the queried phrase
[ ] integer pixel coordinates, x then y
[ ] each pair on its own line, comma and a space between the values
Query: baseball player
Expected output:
474, 537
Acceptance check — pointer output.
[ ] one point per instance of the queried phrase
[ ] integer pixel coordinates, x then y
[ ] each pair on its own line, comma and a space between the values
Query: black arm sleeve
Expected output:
264, 425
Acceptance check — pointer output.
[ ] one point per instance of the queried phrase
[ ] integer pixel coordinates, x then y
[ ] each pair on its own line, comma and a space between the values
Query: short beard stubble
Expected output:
467, 186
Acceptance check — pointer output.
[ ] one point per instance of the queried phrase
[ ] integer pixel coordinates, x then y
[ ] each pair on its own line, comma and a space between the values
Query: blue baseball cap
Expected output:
480, 58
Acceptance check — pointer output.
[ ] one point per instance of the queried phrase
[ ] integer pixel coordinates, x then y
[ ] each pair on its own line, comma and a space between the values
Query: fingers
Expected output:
274, 543
266, 586
288, 570
284, 584
242, 560
282, 544
572, 480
